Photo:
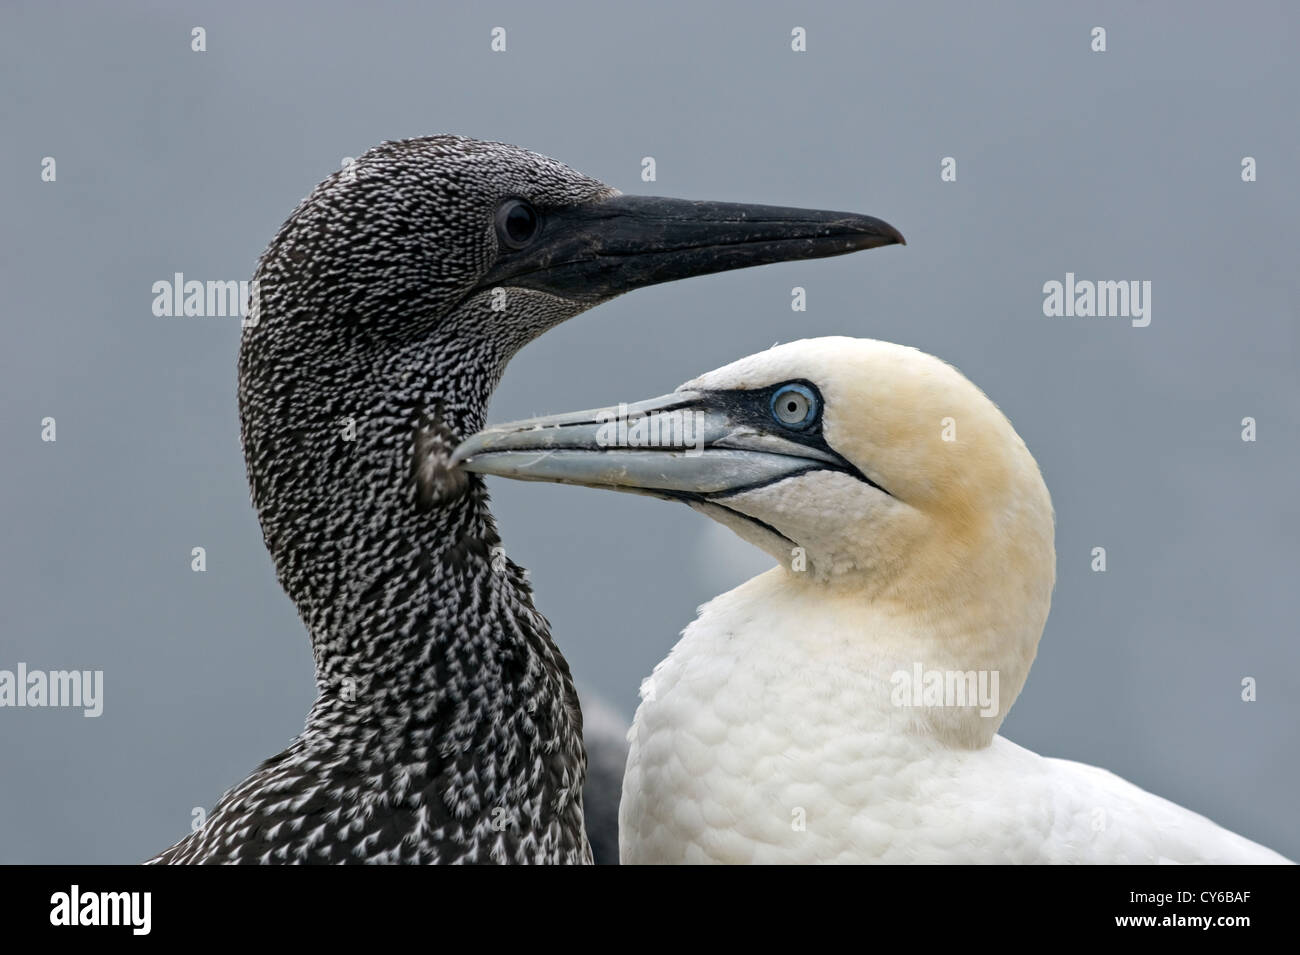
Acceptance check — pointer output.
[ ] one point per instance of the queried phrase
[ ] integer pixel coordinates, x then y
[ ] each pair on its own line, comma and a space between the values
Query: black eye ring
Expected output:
795, 406
517, 223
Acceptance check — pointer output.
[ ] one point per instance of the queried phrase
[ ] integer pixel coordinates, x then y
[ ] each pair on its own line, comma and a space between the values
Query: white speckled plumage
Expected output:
447, 727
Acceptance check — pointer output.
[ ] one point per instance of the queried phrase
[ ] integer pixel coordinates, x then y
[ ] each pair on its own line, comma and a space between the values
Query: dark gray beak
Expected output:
591, 252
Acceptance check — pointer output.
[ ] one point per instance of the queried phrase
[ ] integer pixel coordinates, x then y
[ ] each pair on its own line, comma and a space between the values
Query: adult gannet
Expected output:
800, 718
446, 728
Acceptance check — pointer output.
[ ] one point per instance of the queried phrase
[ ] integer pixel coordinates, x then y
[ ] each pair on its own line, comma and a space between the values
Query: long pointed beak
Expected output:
597, 250
686, 446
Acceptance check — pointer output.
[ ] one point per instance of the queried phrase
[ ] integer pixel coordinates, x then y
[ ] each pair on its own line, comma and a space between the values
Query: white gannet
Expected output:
446, 726
844, 706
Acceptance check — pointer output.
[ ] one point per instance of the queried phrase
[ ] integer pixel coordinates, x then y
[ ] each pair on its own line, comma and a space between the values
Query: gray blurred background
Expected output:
1117, 165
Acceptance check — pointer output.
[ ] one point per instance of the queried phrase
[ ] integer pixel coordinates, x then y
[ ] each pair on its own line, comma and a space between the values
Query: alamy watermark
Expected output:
656, 429
131, 910
1082, 298
944, 688
214, 298
61, 688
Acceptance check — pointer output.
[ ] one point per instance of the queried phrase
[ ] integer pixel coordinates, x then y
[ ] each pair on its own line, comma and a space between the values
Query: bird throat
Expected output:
443, 705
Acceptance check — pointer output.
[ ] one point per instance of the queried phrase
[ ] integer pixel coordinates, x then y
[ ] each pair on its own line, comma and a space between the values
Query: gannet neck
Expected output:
788, 620
443, 702
774, 733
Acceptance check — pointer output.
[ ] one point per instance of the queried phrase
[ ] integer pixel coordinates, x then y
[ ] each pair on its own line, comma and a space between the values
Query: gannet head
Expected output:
866, 468
387, 306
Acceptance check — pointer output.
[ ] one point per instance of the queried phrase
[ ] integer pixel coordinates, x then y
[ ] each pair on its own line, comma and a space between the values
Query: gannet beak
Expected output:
593, 251
701, 445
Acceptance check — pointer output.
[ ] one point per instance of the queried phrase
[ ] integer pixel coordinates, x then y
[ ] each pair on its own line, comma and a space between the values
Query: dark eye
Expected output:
517, 223
795, 406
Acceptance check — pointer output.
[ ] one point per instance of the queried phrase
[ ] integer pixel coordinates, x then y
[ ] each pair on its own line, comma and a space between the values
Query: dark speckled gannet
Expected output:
844, 706
446, 727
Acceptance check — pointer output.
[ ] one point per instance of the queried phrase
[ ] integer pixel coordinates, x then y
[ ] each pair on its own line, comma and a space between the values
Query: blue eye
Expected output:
795, 406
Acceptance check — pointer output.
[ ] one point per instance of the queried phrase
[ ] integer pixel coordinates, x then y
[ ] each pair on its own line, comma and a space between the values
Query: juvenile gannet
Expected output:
798, 720
446, 728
